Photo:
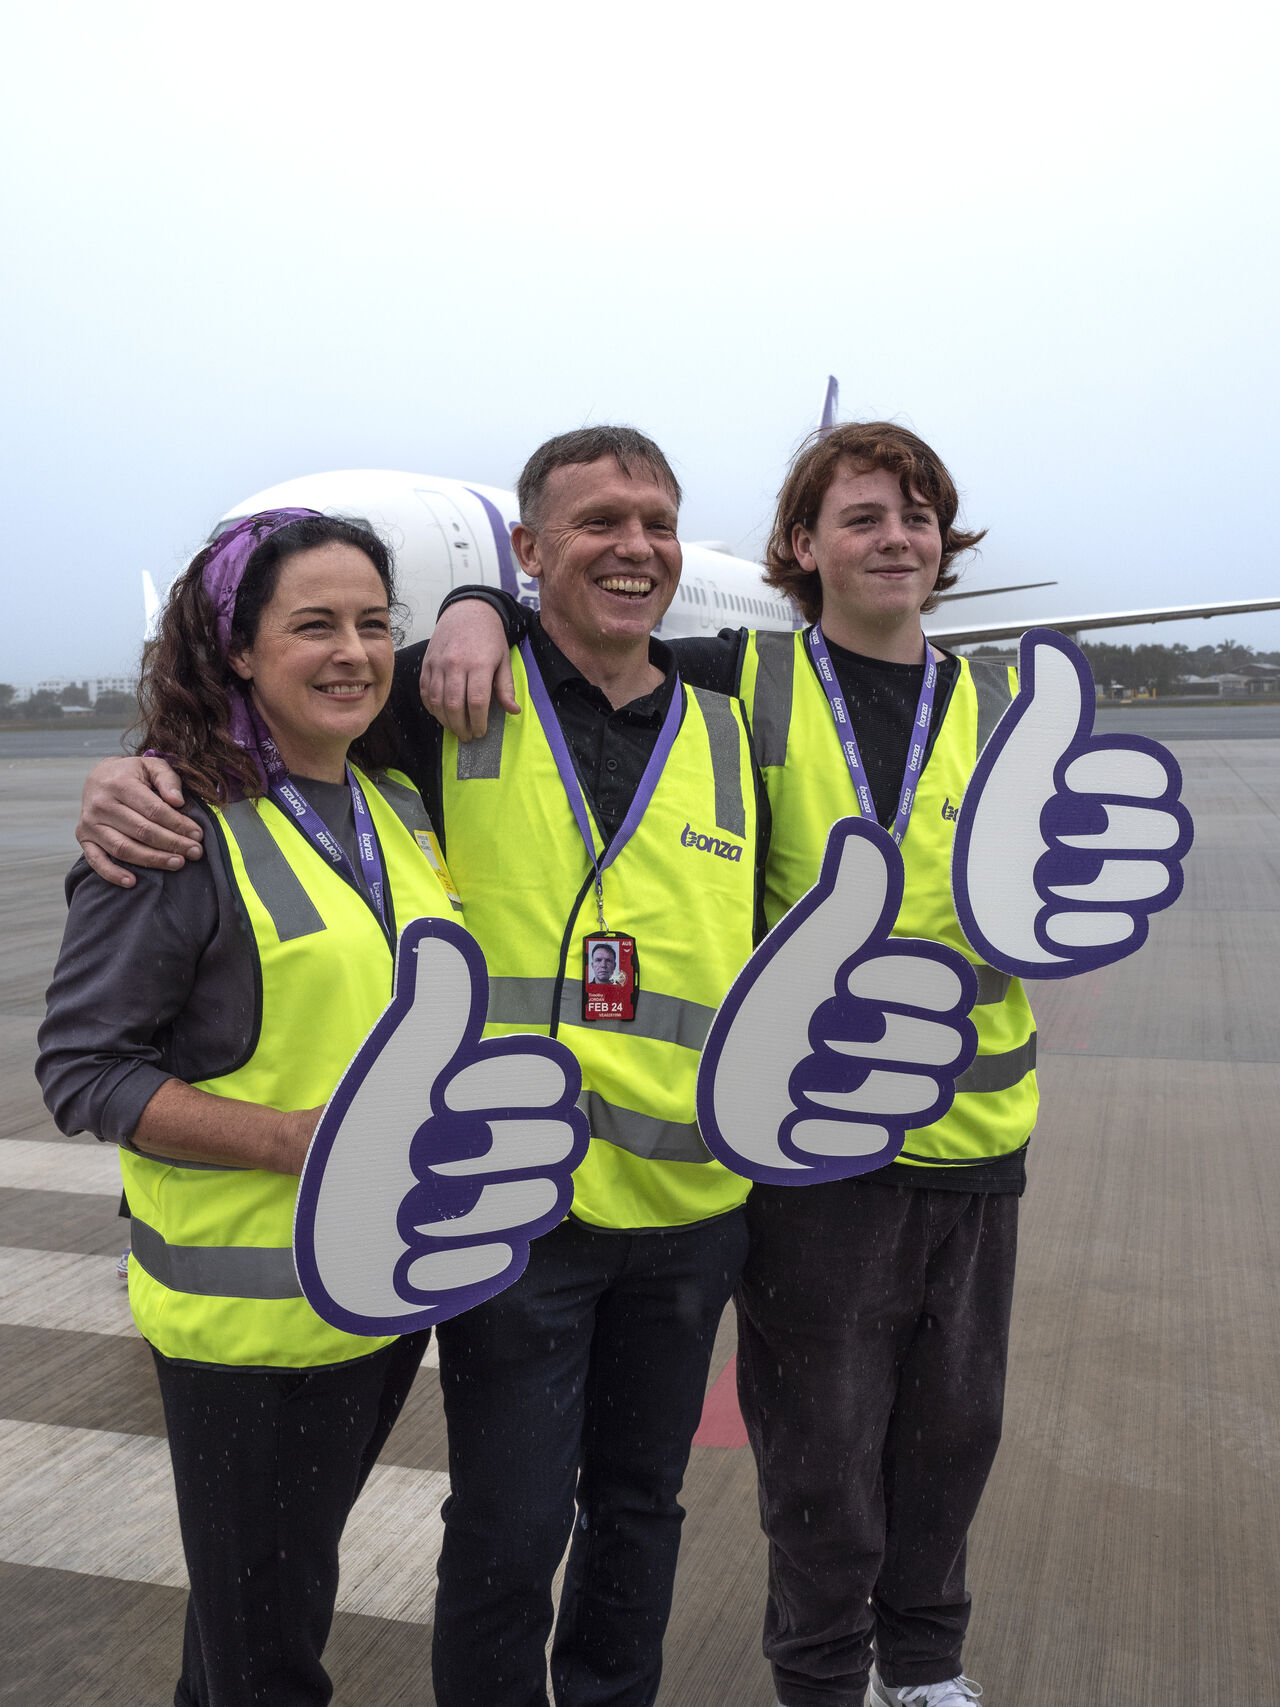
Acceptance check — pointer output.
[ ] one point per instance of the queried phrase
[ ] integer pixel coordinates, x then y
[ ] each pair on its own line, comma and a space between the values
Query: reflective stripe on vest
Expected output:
222, 1271
276, 883
683, 886
529, 1003
212, 1279
723, 737
405, 801
809, 787
642, 1135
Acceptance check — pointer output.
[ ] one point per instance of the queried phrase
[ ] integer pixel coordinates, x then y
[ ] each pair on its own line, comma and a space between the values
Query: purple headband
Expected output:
232, 550
221, 578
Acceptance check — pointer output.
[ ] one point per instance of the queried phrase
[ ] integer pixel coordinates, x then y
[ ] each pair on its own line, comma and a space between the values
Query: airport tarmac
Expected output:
1128, 1550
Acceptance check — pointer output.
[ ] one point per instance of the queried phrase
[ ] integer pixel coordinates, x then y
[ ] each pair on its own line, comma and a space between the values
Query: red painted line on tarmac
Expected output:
722, 1423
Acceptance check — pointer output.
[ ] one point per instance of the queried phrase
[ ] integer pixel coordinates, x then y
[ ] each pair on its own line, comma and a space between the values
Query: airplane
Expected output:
446, 533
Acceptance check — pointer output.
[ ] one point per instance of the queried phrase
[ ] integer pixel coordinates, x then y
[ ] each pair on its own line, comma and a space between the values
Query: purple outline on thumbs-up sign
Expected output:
1066, 841
835, 1039
440, 1155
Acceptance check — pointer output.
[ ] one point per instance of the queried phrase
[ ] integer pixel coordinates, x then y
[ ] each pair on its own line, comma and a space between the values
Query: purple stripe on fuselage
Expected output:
502, 540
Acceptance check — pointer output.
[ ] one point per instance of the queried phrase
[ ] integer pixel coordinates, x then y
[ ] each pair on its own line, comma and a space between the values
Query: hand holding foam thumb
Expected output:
439, 1155
1066, 841
834, 1038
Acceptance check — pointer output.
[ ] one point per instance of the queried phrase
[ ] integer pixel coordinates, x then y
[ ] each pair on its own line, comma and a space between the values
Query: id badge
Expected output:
610, 980
428, 842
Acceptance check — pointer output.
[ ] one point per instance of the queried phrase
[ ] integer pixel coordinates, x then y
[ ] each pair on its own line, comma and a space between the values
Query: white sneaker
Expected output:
955, 1692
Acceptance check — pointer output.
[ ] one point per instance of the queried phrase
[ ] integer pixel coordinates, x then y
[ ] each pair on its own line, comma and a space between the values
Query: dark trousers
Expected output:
266, 1468
873, 1325
582, 1382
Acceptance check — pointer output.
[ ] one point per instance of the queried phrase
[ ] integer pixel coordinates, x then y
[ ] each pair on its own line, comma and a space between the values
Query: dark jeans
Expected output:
873, 1325
584, 1381
266, 1468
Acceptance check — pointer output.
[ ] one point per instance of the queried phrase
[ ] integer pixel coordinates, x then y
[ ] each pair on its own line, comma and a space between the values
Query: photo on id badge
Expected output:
609, 977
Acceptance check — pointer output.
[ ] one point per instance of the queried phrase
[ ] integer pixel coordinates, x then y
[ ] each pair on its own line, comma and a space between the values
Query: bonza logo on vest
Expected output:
690, 838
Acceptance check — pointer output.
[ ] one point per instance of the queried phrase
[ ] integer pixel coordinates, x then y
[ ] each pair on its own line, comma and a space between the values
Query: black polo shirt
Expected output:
610, 746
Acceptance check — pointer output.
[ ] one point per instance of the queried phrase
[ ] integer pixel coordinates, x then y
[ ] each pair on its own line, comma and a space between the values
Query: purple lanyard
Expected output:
644, 793
849, 741
291, 800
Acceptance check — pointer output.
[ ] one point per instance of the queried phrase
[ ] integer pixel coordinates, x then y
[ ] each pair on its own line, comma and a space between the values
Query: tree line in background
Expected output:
1159, 668
122, 707
1155, 668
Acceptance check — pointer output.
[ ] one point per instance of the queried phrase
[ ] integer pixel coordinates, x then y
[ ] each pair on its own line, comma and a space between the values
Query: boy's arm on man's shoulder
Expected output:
713, 661
515, 616
466, 666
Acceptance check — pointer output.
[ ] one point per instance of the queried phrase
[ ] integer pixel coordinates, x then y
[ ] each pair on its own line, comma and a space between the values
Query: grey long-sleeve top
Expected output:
156, 982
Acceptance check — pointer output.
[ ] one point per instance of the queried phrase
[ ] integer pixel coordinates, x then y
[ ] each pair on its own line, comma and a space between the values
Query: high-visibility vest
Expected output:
683, 887
211, 1275
809, 787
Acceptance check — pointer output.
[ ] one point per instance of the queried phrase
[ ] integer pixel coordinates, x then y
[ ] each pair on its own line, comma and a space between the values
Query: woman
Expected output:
201, 1022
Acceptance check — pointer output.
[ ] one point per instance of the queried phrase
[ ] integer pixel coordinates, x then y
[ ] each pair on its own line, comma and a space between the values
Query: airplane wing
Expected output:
990, 592
947, 635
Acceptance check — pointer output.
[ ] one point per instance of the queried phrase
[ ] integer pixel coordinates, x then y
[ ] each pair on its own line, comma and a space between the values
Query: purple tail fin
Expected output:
830, 404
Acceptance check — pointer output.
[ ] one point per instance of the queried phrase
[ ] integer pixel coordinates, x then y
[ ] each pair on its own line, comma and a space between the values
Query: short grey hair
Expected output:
629, 448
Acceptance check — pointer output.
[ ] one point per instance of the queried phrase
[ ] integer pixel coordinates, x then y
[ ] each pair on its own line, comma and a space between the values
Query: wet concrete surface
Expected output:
1127, 1549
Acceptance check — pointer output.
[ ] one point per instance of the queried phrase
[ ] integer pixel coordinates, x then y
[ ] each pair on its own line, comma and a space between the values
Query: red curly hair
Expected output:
867, 444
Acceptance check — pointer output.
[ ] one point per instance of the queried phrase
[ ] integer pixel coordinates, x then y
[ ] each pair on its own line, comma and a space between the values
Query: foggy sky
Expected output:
249, 242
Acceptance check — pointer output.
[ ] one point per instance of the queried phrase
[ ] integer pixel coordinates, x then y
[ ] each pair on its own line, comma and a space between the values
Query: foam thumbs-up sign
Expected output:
439, 1156
835, 1038
1066, 841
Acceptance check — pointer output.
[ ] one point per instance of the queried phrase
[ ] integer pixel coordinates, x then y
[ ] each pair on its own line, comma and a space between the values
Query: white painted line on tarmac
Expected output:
388, 1554
29, 1164
56, 1289
102, 1504
79, 1499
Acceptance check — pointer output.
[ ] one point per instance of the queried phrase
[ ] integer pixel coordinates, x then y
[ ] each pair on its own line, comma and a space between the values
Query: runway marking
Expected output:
102, 1504
56, 1289
29, 1164
722, 1423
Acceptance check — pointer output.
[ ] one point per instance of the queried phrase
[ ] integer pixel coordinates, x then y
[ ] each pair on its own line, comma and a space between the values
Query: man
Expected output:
873, 1312
604, 963
583, 1383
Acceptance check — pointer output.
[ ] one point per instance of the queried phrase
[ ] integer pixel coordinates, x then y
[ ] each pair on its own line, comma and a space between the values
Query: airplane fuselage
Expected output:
447, 533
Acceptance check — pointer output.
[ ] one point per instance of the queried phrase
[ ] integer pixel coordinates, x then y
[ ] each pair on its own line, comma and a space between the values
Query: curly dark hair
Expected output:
185, 711
869, 444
